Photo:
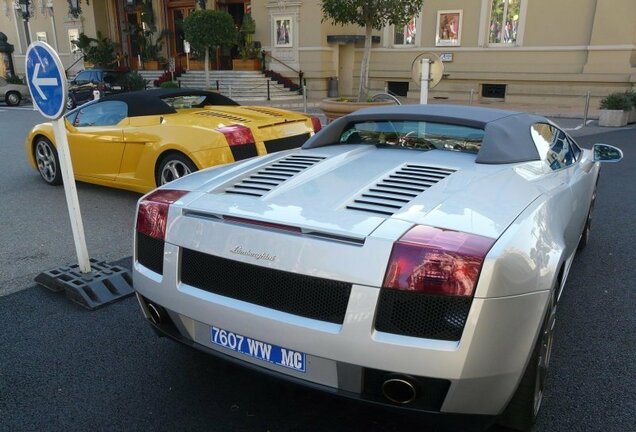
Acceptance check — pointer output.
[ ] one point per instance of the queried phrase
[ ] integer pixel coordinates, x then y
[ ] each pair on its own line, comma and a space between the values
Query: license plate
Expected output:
116, 87
260, 350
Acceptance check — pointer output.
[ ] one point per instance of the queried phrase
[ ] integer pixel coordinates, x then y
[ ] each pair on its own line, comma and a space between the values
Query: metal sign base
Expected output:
105, 284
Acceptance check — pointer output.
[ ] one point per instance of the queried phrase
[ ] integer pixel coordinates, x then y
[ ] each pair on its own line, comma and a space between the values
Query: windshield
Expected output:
418, 135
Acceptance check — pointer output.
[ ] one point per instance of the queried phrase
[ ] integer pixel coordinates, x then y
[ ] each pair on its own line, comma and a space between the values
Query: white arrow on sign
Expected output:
37, 81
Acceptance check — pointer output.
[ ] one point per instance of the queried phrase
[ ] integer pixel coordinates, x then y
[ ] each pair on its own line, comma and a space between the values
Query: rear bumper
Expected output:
447, 421
488, 360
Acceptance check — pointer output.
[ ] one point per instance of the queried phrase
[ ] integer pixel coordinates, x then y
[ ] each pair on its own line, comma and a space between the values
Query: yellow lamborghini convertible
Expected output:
141, 140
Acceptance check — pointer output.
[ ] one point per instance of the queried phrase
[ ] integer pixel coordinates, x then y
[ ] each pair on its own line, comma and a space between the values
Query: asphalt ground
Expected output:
65, 368
35, 232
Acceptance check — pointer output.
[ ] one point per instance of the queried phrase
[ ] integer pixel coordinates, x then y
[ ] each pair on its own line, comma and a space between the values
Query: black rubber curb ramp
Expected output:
105, 284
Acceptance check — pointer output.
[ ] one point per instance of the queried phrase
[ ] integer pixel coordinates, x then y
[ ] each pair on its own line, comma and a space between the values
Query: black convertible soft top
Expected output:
506, 139
151, 102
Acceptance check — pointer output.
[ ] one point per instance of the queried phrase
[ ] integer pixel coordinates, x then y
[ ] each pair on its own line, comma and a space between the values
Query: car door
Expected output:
582, 183
567, 202
97, 140
83, 86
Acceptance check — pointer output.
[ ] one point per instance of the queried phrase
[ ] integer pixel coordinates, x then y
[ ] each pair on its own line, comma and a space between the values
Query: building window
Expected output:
504, 21
405, 35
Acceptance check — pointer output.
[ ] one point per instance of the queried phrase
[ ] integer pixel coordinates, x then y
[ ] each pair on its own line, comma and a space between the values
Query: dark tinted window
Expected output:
414, 135
113, 78
101, 114
83, 77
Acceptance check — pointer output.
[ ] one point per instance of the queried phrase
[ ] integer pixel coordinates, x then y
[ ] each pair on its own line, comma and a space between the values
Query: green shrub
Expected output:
14, 79
134, 81
100, 52
631, 95
169, 84
616, 101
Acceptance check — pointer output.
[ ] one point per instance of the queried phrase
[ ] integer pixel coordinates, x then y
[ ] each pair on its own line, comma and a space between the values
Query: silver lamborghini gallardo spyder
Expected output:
411, 256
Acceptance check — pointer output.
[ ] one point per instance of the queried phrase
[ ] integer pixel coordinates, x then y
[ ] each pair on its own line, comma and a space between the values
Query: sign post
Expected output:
101, 284
424, 80
49, 89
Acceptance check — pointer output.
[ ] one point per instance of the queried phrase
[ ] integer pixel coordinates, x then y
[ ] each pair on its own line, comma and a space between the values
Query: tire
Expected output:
13, 98
70, 103
522, 410
47, 161
173, 166
587, 228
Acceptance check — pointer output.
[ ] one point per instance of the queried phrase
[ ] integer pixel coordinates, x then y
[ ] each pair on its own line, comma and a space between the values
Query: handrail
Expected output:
300, 73
266, 54
73, 64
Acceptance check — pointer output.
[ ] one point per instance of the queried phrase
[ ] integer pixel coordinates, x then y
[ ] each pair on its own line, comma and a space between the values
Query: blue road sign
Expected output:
46, 79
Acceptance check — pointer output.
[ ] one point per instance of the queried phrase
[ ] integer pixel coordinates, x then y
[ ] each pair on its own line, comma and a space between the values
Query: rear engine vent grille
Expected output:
397, 189
287, 143
307, 296
208, 113
264, 111
422, 315
273, 175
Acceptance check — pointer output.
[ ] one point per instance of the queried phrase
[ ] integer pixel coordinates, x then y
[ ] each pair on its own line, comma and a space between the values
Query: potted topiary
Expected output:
209, 29
615, 110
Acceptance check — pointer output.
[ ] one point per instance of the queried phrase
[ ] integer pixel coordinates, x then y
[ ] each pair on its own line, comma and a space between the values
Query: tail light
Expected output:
237, 135
153, 212
436, 261
315, 122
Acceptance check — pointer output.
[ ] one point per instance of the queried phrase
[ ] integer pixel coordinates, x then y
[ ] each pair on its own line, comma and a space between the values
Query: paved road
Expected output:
35, 233
63, 368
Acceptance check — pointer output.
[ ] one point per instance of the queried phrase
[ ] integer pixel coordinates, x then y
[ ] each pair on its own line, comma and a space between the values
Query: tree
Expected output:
206, 29
370, 14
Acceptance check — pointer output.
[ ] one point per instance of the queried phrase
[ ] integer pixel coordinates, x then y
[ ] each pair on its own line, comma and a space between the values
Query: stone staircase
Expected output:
150, 75
238, 85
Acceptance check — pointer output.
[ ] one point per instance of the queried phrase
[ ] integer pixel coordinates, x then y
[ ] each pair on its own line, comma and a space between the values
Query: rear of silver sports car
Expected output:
365, 305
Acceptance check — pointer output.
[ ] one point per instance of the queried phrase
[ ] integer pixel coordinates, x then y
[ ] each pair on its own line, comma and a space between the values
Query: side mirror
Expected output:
607, 153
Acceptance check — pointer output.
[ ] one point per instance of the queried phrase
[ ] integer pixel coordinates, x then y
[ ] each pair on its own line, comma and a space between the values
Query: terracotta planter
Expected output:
333, 108
200, 65
613, 118
151, 65
246, 65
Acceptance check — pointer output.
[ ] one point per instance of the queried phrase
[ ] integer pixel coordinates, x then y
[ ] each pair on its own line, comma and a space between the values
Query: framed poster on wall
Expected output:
449, 28
283, 35
73, 35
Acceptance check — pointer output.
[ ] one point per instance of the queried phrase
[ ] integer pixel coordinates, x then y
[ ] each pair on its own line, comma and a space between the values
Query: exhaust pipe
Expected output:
399, 389
156, 313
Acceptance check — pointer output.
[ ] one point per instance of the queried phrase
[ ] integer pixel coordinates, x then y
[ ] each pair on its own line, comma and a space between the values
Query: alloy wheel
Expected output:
45, 158
173, 170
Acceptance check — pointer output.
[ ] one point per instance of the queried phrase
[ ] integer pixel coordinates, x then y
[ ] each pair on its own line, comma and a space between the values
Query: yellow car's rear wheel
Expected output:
172, 167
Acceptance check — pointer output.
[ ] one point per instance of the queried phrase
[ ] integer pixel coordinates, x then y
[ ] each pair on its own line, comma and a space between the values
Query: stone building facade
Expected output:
512, 50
